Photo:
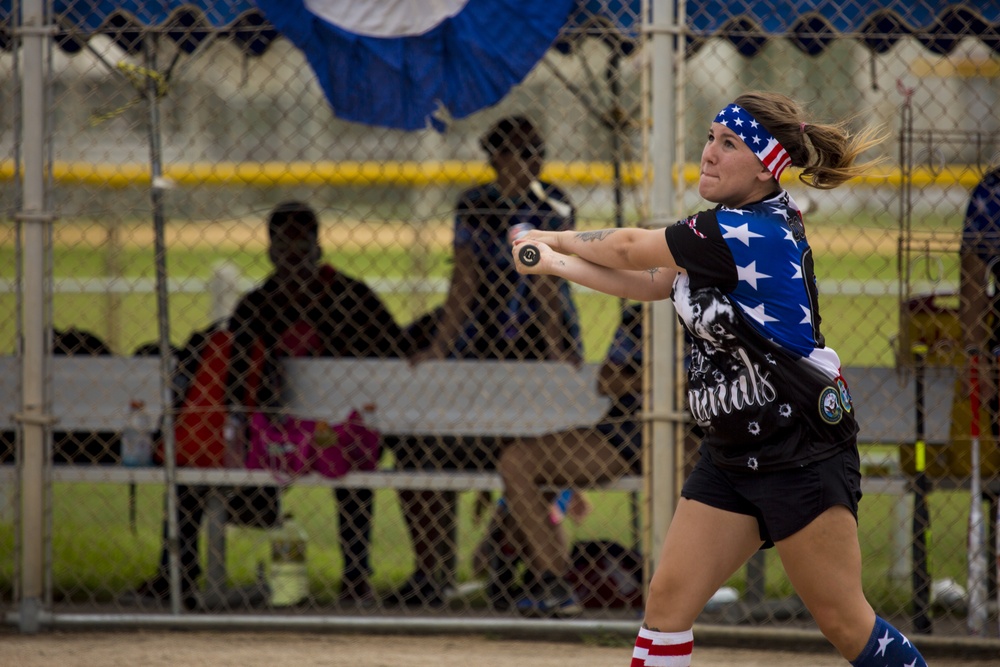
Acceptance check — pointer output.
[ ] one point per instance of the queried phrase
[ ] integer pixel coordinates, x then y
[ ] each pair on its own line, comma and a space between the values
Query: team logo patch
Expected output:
829, 406
845, 395
692, 222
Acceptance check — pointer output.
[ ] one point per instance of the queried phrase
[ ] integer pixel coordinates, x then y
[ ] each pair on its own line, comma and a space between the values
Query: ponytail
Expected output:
825, 152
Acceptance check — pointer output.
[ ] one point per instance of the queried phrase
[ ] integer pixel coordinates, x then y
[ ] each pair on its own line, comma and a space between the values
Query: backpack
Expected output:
199, 390
73, 341
606, 575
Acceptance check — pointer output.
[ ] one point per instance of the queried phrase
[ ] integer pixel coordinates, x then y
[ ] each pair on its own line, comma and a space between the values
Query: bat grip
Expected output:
528, 254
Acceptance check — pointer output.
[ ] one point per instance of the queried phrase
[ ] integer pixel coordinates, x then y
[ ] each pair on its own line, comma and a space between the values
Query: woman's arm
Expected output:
973, 311
379, 335
551, 297
241, 325
461, 292
546, 290
631, 249
973, 304
639, 285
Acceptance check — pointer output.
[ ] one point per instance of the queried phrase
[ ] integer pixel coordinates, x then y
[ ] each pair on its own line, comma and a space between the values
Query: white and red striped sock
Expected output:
663, 649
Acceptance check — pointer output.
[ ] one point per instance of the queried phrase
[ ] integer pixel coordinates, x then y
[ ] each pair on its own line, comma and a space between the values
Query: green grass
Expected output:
95, 555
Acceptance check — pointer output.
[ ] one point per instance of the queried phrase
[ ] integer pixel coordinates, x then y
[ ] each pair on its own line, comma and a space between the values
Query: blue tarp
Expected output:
813, 24
468, 59
749, 24
186, 22
461, 84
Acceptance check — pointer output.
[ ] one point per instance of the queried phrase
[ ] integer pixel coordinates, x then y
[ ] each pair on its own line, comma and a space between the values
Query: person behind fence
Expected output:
575, 458
490, 312
979, 301
303, 308
779, 460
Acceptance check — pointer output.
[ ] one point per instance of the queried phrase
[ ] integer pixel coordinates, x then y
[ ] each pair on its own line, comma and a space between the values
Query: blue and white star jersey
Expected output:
981, 237
981, 229
761, 383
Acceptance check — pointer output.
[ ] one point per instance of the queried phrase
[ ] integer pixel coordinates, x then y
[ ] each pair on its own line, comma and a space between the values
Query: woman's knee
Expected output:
672, 604
509, 463
514, 461
847, 626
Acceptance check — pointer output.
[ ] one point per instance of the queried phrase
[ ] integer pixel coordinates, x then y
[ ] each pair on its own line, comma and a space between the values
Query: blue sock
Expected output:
888, 646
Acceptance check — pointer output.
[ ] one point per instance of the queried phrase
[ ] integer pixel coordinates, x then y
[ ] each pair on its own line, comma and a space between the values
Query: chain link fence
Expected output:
335, 282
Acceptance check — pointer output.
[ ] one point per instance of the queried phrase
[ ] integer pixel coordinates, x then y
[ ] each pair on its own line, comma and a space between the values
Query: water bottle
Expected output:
137, 438
518, 231
233, 434
288, 578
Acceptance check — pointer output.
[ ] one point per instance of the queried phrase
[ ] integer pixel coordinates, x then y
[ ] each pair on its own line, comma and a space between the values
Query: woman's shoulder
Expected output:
757, 217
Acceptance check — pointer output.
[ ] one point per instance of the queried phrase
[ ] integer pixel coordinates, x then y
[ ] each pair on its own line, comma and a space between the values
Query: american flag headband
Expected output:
756, 137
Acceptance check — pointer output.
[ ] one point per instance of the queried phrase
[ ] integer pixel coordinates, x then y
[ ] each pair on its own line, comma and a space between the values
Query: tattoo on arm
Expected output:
599, 235
652, 273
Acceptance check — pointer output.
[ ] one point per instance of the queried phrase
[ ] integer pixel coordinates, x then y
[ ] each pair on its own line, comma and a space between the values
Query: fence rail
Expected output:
226, 281
421, 174
177, 181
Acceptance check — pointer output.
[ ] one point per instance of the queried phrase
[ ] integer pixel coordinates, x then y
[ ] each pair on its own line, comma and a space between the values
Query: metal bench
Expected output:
447, 398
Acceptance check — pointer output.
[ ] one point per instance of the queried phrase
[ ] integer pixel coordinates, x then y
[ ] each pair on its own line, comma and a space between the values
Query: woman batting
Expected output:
779, 461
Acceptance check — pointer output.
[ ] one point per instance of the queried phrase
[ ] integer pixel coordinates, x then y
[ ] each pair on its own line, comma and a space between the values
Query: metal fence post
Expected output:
34, 223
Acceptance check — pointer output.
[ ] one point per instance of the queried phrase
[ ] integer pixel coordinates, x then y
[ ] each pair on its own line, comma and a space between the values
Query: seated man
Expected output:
576, 458
303, 308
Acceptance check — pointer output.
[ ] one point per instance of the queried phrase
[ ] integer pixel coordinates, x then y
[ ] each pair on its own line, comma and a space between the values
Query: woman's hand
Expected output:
567, 357
545, 252
430, 353
548, 237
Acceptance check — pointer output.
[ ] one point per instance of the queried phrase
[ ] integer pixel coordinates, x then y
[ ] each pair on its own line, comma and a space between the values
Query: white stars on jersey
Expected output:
742, 232
771, 275
749, 274
759, 314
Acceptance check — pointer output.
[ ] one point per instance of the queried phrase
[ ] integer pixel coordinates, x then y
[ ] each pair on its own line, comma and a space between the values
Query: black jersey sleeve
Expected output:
699, 249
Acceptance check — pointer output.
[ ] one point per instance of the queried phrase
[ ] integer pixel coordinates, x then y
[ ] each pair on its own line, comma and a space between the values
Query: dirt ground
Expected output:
154, 648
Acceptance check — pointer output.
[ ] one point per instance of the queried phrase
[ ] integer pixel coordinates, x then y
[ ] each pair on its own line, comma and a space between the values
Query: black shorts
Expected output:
783, 501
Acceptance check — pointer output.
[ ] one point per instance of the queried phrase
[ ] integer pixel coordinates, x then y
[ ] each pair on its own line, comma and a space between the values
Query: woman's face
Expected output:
731, 174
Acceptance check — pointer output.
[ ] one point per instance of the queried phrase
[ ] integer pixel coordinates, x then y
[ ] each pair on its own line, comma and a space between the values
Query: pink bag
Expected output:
293, 446
341, 448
